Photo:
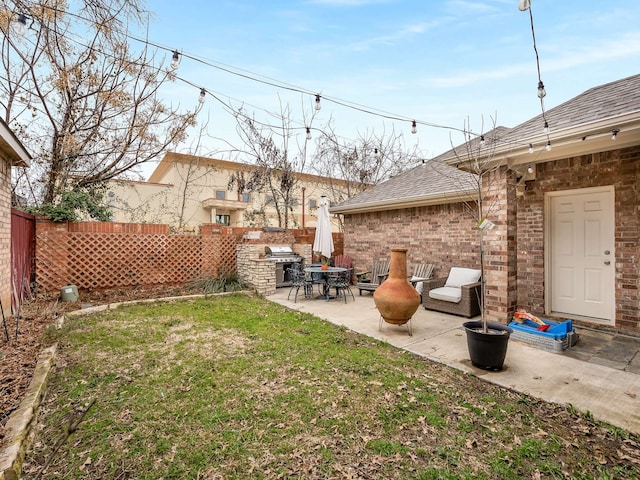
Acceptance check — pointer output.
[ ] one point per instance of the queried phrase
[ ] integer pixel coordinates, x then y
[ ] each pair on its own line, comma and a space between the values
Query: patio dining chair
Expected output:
299, 279
341, 281
344, 261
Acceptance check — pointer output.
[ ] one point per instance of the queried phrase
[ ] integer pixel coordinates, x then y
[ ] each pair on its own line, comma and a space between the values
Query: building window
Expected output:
269, 200
293, 202
313, 204
245, 197
221, 194
223, 219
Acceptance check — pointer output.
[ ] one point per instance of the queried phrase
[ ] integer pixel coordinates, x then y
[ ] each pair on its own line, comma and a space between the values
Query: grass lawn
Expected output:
237, 387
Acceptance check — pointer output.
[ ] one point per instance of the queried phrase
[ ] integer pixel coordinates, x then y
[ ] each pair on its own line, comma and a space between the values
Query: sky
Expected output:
448, 64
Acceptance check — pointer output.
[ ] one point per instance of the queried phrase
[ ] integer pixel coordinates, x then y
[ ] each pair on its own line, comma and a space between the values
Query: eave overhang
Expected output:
11, 148
231, 205
578, 140
408, 202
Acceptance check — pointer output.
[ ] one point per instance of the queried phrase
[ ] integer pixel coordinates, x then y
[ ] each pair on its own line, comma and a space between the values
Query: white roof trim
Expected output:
11, 148
417, 201
628, 123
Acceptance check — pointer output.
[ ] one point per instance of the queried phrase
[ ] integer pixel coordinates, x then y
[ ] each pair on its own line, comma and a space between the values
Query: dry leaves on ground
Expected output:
22, 337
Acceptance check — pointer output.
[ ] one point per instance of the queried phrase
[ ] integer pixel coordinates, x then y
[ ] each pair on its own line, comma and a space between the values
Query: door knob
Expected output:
607, 262
607, 252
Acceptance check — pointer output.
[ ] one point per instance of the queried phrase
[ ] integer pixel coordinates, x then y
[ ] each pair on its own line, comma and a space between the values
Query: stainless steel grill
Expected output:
281, 254
284, 257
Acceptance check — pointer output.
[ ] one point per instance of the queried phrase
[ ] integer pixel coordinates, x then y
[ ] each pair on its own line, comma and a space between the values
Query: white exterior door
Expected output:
581, 259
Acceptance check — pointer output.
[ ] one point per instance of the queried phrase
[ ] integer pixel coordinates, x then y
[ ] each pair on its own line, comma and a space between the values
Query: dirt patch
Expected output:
23, 338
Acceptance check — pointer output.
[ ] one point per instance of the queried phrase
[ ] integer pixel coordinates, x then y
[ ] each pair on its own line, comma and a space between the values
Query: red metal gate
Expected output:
23, 253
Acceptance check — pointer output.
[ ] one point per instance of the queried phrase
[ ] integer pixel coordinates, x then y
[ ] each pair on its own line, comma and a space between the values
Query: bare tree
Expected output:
482, 191
279, 156
194, 178
360, 163
84, 102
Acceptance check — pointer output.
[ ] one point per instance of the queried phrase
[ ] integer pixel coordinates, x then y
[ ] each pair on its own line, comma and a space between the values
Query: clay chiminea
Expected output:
396, 299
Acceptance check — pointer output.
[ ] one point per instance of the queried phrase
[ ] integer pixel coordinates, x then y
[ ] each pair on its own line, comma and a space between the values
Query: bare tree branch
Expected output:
277, 162
83, 102
359, 164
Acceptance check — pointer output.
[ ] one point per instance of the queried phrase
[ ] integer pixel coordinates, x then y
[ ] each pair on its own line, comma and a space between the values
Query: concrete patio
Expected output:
600, 375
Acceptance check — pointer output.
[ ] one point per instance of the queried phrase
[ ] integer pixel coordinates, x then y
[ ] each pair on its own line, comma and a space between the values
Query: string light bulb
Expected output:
531, 148
318, 106
308, 133
524, 5
203, 94
548, 147
541, 91
482, 140
614, 133
21, 25
546, 127
414, 127
175, 60
529, 169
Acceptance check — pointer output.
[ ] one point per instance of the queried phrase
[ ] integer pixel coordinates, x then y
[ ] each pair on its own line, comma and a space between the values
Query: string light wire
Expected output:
232, 70
541, 90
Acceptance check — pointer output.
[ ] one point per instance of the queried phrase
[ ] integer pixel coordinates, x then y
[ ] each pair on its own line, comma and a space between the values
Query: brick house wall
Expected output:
620, 168
5, 235
429, 233
445, 235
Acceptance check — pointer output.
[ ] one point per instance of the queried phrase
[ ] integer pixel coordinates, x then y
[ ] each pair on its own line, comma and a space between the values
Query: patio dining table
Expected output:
325, 274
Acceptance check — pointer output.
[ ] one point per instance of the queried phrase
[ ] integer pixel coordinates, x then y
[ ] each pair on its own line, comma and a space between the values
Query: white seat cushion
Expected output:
462, 276
419, 285
447, 294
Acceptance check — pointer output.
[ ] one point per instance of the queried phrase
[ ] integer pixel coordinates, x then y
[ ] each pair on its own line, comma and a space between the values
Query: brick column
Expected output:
500, 245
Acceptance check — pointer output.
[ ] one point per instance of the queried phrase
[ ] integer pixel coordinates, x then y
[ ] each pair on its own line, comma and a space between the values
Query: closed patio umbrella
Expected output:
323, 241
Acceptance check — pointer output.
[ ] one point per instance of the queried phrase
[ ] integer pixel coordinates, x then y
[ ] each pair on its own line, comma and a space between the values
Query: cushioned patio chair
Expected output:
457, 294
378, 274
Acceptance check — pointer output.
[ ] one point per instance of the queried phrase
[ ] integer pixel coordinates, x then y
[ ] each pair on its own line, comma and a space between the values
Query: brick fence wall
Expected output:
105, 255
95, 255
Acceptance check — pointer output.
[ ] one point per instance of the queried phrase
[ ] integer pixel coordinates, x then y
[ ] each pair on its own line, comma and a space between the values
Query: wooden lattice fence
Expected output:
110, 255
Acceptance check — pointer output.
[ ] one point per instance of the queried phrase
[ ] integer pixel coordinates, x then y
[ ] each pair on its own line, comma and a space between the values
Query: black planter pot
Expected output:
487, 350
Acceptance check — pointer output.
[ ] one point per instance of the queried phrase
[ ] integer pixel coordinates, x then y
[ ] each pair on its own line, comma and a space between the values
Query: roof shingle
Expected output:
435, 179
427, 180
